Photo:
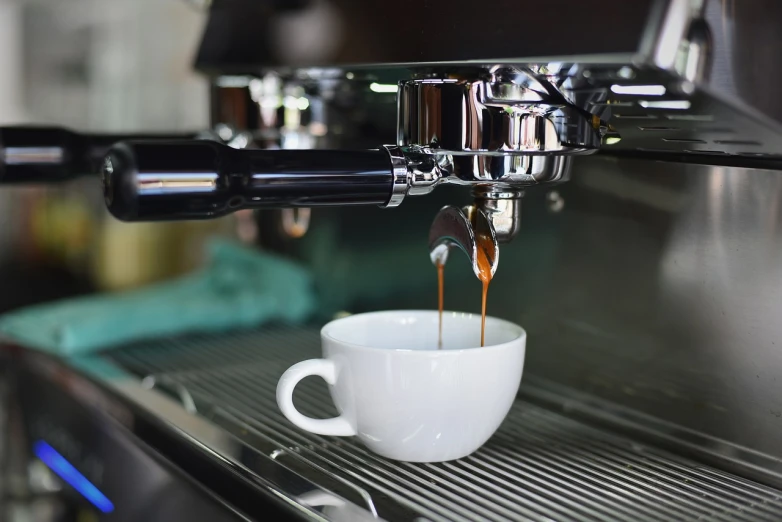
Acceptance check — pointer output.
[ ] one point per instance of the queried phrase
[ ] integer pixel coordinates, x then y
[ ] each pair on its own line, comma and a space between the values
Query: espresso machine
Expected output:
622, 156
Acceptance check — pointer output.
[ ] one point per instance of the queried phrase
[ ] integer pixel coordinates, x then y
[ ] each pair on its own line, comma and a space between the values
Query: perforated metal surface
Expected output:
539, 466
654, 111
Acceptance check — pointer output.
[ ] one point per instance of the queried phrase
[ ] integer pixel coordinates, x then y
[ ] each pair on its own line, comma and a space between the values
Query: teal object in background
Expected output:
239, 288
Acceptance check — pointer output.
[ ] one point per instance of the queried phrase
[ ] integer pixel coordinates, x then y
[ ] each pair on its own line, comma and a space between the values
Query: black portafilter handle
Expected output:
171, 180
37, 154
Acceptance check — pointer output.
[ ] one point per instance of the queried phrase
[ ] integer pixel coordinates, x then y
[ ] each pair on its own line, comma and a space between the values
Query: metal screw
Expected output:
555, 201
626, 72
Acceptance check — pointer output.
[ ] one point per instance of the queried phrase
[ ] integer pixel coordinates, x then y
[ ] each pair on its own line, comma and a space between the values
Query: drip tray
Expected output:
540, 465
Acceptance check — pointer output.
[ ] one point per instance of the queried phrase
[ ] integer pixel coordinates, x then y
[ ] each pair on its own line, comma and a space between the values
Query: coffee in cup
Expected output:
404, 398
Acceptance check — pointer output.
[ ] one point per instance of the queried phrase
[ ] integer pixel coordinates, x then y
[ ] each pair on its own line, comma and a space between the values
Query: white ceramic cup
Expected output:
404, 398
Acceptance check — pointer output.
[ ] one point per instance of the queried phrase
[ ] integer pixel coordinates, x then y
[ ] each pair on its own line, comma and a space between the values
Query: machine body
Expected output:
646, 283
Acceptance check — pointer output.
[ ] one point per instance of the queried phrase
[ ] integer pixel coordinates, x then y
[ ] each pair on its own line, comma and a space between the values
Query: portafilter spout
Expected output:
467, 229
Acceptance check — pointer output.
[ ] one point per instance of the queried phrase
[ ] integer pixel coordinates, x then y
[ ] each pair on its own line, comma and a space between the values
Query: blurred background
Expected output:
100, 65
95, 65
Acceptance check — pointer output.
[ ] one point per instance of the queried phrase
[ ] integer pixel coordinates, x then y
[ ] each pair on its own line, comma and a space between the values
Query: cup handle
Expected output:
324, 368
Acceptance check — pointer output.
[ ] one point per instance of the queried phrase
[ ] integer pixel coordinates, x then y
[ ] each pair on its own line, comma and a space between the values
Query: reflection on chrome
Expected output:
172, 183
28, 155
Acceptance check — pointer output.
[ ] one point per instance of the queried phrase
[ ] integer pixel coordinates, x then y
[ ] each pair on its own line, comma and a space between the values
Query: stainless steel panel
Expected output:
665, 295
745, 36
539, 466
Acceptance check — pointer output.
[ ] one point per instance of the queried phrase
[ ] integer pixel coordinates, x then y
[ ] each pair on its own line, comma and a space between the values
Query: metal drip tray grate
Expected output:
539, 466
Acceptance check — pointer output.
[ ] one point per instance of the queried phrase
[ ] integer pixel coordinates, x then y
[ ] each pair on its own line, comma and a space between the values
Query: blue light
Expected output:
71, 475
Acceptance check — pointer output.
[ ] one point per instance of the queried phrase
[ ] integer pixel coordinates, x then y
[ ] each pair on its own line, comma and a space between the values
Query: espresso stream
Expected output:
484, 275
440, 283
